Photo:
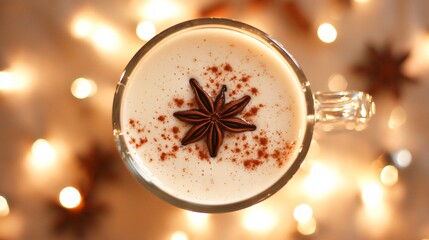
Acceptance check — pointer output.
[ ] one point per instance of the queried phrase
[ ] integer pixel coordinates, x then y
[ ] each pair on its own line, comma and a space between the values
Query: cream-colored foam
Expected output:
160, 82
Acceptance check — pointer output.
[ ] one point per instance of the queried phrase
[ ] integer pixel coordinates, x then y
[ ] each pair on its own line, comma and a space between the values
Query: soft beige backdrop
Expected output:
340, 180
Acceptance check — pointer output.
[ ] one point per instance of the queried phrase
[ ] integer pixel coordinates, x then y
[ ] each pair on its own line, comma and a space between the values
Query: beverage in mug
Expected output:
213, 115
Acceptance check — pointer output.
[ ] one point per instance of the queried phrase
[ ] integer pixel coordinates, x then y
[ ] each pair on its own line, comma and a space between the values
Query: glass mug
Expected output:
213, 115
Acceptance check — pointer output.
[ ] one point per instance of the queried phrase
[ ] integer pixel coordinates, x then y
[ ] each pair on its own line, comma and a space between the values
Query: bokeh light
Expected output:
197, 220
307, 227
82, 27
327, 33
375, 216
105, 38
398, 117
7, 81
302, 213
43, 154
159, 10
179, 235
12, 80
82, 88
361, 1
389, 175
258, 219
402, 158
417, 65
4, 207
337, 82
372, 195
97, 31
320, 181
70, 197
146, 30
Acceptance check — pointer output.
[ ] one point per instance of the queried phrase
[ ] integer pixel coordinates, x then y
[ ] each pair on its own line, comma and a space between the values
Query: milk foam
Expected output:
247, 163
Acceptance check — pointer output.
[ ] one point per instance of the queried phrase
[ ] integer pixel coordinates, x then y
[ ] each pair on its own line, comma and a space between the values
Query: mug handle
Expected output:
349, 110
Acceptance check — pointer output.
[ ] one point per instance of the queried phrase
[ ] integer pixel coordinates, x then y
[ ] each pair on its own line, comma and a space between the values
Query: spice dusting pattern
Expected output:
212, 124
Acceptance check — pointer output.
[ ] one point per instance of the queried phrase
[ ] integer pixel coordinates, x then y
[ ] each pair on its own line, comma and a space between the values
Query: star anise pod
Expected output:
384, 70
213, 118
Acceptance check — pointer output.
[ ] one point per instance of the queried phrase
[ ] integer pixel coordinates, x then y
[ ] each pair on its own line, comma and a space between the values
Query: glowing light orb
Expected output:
6, 80
337, 82
146, 30
43, 154
179, 235
327, 33
105, 38
372, 195
258, 220
10, 81
197, 220
159, 10
70, 197
303, 213
4, 207
82, 88
361, 1
82, 27
389, 175
402, 158
376, 210
321, 180
308, 227
398, 117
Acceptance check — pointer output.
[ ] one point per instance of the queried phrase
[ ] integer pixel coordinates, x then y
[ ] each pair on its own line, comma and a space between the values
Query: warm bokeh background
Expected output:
56, 132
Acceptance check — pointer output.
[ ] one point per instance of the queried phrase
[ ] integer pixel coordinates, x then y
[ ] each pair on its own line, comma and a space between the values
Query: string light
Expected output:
327, 33
337, 82
146, 30
258, 219
82, 88
389, 175
4, 207
179, 235
43, 154
70, 197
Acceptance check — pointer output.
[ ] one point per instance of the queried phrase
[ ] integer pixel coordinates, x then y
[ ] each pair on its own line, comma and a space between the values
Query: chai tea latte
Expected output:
211, 115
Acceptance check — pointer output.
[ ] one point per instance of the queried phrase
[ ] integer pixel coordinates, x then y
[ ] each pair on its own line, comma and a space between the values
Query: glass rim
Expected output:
242, 28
